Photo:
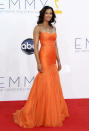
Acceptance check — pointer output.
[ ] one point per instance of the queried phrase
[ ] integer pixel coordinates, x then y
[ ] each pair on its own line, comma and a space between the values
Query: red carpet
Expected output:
78, 121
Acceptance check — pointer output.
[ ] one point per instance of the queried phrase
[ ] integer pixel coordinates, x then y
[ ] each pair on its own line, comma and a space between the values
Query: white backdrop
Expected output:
18, 70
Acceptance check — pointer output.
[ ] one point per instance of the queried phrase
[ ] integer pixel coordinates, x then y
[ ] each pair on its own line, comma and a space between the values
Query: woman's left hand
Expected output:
59, 66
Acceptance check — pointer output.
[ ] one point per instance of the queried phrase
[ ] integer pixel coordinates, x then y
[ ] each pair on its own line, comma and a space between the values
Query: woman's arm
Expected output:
36, 43
57, 54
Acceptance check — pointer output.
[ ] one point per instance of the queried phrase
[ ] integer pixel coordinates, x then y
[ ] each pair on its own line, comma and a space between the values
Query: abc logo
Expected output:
27, 46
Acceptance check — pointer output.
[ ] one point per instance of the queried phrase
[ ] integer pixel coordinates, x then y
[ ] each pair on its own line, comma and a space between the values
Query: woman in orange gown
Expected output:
45, 105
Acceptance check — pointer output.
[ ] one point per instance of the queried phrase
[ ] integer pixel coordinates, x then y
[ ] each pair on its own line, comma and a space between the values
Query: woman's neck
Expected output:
45, 23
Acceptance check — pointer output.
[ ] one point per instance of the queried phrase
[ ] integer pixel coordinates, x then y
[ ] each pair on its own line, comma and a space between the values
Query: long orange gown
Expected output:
45, 105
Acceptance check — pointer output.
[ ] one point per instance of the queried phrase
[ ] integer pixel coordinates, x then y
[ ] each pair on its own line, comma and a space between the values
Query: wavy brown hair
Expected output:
41, 16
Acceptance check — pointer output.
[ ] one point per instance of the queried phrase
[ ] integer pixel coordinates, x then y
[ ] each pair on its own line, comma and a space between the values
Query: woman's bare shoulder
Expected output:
37, 28
54, 28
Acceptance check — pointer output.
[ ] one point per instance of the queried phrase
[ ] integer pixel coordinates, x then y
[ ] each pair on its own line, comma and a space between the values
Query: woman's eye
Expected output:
48, 13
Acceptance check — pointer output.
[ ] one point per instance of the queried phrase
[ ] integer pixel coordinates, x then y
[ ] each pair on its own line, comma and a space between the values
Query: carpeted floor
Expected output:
78, 121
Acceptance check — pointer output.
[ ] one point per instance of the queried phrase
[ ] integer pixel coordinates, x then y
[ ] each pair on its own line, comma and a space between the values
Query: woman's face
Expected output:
48, 15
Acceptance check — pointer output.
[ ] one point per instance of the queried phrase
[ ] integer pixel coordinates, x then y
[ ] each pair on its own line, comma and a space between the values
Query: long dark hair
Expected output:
41, 16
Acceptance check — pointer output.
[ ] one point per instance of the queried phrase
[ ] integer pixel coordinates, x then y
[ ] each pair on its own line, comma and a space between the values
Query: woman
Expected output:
45, 105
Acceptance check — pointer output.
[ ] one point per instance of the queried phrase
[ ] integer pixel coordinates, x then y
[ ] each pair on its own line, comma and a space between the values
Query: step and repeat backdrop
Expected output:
18, 67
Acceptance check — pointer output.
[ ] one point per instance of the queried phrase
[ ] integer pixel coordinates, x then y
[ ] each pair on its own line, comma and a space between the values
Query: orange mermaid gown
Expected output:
45, 105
